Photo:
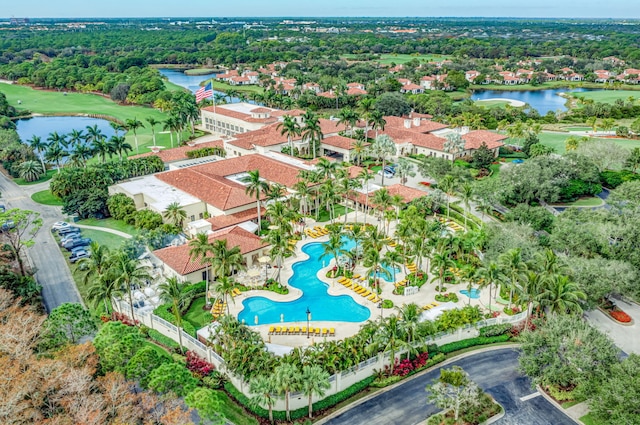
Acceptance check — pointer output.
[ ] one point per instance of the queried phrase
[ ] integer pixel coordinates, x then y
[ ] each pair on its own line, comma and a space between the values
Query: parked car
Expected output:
78, 255
70, 236
386, 174
2, 208
59, 225
76, 242
7, 225
80, 248
68, 230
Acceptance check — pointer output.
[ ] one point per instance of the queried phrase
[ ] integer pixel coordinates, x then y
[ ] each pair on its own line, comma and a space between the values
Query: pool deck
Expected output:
425, 295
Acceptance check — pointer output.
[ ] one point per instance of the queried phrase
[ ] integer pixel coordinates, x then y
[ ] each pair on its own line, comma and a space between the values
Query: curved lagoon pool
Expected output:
323, 307
473, 294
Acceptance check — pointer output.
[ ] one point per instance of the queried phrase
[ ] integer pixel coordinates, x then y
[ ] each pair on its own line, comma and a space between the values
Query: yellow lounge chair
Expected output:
292, 330
427, 307
304, 330
348, 285
371, 297
332, 332
435, 304
342, 279
297, 330
271, 329
325, 331
278, 330
366, 293
318, 331
356, 276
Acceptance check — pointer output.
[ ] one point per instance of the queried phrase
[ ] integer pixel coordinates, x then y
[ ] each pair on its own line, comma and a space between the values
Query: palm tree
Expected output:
56, 153
333, 247
377, 121
366, 106
314, 381
466, 194
513, 266
393, 258
561, 295
365, 177
256, 187
169, 125
81, 154
40, 147
116, 144
224, 287
200, 248
347, 117
447, 185
76, 137
225, 260
383, 148
152, 125
128, 273
30, 170
442, 263
287, 380
358, 149
117, 128
410, 315
263, 386
387, 338
289, 127
175, 214
133, 125
405, 169
489, 274
280, 247
94, 134
382, 199
171, 293
312, 130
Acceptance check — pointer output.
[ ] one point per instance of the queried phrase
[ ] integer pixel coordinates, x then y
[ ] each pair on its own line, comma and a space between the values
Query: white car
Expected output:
59, 225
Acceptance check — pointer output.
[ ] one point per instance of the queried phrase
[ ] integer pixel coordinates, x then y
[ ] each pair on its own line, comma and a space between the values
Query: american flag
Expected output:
204, 92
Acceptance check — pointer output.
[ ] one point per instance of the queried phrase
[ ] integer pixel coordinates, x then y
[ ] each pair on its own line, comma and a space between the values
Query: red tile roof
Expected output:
341, 142
408, 194
224, 221
208, 182
474, 139
178, 258
179, 153
426, 126
221, 110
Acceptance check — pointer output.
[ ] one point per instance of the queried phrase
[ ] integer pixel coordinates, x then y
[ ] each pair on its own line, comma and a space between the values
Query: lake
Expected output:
541, 100
189, 82
43, 126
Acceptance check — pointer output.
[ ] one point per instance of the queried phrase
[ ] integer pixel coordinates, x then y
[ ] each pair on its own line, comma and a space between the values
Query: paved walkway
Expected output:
104, 229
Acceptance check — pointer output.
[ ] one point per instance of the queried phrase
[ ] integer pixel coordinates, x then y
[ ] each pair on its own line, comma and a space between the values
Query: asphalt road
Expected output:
52, 272
494, 371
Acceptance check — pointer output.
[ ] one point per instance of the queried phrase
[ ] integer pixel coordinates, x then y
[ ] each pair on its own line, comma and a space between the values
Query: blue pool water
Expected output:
323, 307
348, 244
475, 293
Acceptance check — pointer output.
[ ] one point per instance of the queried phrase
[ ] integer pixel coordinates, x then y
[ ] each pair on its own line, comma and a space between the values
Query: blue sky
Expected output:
214, 8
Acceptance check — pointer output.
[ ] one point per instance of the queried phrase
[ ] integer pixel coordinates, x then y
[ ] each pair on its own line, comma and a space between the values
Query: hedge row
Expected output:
471, 342
164, 311
163, 340
302, 412
470, 217
495, 330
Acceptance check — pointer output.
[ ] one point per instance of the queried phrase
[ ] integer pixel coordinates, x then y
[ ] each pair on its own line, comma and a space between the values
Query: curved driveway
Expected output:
494, 371
52, 272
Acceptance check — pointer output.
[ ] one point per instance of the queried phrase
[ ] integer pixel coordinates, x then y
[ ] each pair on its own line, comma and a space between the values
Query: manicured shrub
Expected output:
163, 311
472, 342
495, 330
163, 340
198, 366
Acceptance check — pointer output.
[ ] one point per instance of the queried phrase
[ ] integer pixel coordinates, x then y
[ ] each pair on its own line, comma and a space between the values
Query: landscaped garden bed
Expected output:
615, 313
450, 296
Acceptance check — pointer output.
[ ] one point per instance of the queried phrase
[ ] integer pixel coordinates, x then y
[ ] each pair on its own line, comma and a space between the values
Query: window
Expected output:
201, 216
193, 218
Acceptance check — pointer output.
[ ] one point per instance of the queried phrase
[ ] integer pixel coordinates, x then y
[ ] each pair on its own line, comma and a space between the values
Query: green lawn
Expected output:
103, 238
608, 96
110, 223
198, 317
45, 197
173, 87
323, 217
556, 141
57, 103
492, 103
577, 128
200, 71
233, 412
495, 170
588, 420
584, 202
45, 177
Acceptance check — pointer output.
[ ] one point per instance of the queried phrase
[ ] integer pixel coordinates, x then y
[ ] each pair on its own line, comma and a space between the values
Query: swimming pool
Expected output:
348, 244
474, 294
323, 307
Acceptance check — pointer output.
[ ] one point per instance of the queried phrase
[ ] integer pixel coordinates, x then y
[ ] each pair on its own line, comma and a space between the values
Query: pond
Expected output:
190, 82
43, 126
541, 100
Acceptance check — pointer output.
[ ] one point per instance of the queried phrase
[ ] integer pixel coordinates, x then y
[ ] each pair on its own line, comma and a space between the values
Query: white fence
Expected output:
339, 381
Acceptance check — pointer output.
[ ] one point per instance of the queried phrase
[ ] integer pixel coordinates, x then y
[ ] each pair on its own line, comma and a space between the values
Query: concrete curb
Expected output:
556, 404
417, 375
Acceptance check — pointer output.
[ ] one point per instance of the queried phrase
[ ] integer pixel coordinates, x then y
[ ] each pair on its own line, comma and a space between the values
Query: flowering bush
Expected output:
451, 296
425, 184
120, 317
620, 316
198, 365
512, 310
405, 366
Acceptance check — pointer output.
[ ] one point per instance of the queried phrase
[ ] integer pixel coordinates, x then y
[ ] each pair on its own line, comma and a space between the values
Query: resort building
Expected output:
236, 118
177, 262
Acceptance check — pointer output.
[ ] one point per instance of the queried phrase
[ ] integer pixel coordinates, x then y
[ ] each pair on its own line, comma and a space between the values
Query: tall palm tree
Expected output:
224, 287
347, 117
262, 387
513, 266
199, 250
40, 147
280, 247
382, 199
313, 381
169, 125
441, 263
225, 260
393, 259
94, 134
175, 214
287, 380
117, 144
489, 274
76, 137
358, 150
561, 295
117, 128
171, 293
466, 194
56, 153
80, 154
410, 315
312, 131
333, 247
365, 177
387, 338
366, 106
133, 124
256, 187
383, 148
152, 125
377, 121
129, 273
289, 127
447, 185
